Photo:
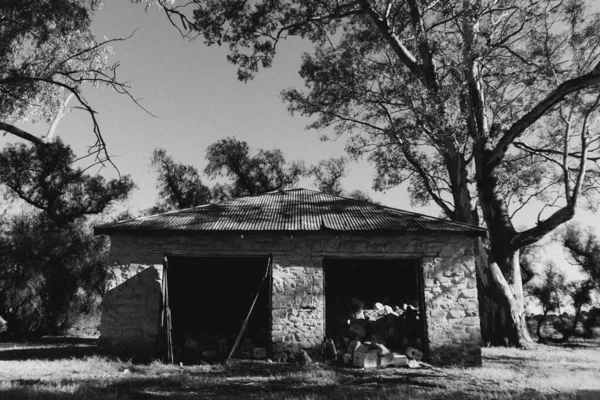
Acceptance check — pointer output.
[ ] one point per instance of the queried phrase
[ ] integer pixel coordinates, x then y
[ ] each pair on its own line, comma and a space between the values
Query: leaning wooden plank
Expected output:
243, 329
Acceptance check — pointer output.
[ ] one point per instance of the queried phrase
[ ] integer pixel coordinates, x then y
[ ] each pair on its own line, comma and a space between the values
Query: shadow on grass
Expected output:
47, 353
252, 380
258, 380
152, 391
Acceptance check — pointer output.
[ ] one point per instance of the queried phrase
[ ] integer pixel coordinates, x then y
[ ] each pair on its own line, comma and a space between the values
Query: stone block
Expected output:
469, 293
438, 314
452, 314
472, 321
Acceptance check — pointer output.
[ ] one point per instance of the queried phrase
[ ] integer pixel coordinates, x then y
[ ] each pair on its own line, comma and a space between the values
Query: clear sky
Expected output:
197, 100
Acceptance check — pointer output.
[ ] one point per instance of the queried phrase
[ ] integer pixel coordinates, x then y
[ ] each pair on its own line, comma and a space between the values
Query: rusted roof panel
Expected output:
290, 210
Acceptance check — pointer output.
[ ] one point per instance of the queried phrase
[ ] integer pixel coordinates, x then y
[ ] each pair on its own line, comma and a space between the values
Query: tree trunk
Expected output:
538, 330
504, 269
570, 332
499, 282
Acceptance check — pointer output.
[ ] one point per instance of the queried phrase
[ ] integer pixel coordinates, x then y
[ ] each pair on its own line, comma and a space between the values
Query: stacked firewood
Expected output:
364, 334
393, 326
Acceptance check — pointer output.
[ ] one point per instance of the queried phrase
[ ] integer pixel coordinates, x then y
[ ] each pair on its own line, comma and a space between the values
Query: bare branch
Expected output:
20, 133
496, 155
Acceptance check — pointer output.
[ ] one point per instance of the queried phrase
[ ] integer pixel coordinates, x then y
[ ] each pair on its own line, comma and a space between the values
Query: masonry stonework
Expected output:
130, 313
448, 267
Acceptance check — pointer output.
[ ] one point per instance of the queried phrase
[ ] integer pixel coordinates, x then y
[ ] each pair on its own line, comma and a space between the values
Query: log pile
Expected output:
391, 325
363, 335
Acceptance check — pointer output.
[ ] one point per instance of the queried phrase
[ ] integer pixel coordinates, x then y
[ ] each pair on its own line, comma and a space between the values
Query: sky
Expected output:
196, 100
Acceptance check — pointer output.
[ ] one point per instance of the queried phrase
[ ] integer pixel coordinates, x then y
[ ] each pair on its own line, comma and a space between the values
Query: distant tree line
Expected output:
555, 293
244, 174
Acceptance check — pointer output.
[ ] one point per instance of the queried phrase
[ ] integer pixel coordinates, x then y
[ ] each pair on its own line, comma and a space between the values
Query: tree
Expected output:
264, 172
44, 177
480, 106
51, 262
548, 292
49, 274
581, 295
328, 174
583, 248
360, 195
47, 54
179, 185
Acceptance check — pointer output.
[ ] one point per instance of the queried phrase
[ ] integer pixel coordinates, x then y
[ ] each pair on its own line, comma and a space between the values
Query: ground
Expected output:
74, 370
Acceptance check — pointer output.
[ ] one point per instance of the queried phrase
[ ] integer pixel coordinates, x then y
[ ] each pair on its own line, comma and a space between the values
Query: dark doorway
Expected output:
355, 291
209, 299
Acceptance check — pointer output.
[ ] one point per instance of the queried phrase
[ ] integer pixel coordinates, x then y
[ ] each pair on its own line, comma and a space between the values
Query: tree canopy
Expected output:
583, 248
265, 171
179, 185
48, 53
49, 275
328, 174
44, 176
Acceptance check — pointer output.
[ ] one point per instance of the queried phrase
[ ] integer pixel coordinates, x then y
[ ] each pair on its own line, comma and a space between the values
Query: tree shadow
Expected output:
237, 381
58, 352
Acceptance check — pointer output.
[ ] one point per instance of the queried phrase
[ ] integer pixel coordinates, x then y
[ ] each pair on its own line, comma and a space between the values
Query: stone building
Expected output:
309, 261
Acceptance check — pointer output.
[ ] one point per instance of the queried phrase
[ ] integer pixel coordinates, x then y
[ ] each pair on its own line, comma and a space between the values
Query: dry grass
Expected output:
61, 372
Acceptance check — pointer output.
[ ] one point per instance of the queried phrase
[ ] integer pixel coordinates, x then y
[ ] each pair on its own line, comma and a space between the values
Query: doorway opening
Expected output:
375, 300
210, 298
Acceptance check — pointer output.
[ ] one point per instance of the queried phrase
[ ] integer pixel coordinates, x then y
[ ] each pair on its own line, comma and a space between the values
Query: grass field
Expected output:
74, 371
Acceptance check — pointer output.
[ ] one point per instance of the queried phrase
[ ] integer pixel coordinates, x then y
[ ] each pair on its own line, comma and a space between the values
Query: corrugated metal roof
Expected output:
290, 210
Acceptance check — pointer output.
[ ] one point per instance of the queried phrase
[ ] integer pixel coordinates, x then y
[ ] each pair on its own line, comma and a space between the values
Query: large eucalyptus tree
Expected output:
480, 105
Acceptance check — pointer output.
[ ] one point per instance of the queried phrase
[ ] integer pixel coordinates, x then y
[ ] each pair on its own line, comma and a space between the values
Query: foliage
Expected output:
583, 247
43, 175
580, 294
47, 54
52, 263
551, 288
179, 185
360, 195
265, 171
49, 273
548, 292
328, 174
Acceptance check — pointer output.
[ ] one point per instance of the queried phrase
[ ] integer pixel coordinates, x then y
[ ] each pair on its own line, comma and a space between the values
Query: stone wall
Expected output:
298, 318
130, 314
298, 290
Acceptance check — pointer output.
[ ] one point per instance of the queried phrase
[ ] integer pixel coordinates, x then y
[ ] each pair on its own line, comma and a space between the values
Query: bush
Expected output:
50, 273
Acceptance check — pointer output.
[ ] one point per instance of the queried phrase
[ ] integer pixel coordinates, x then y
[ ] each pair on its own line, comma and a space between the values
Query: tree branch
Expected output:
496, 155
401, 51
20, 133
536, 233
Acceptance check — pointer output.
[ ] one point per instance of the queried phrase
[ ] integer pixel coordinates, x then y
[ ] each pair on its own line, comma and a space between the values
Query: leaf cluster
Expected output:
49, 274
583, 248
48, 52
265, 171
550, 288
45, 177
179, 185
